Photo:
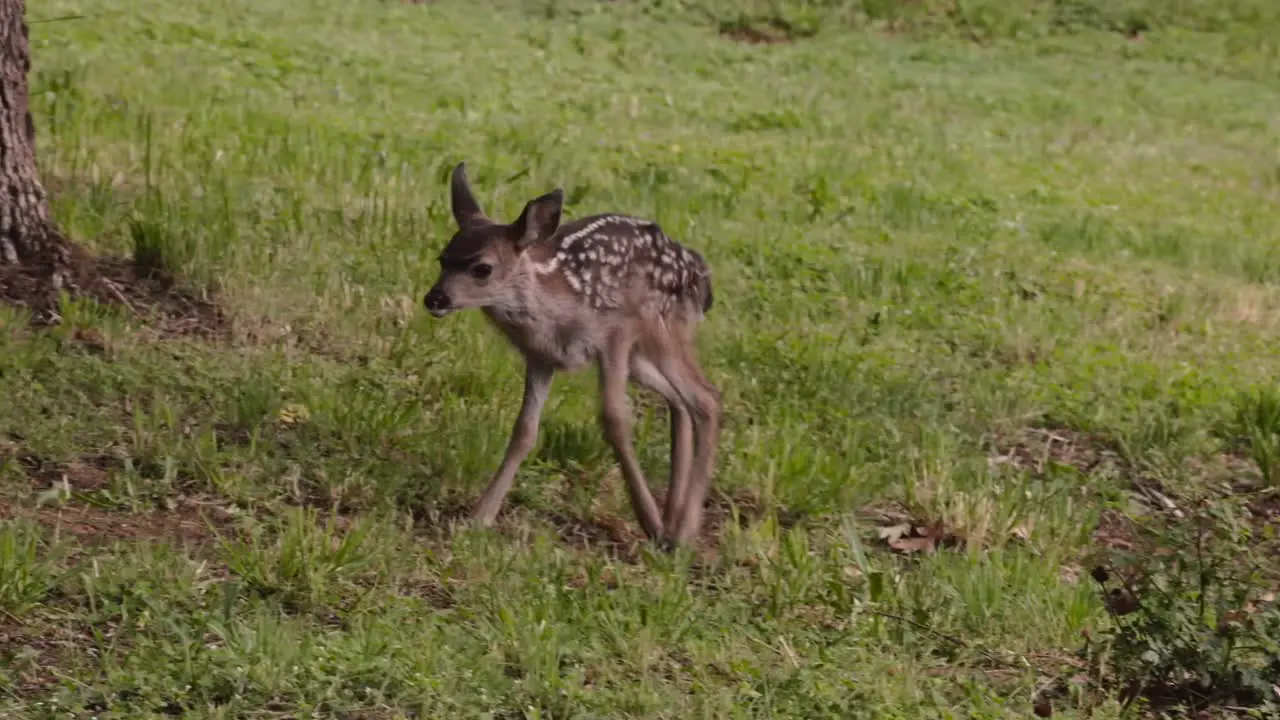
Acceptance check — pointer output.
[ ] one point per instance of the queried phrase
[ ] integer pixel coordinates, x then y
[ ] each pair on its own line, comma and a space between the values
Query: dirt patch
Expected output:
84, 474
1035, 449
1249, 305
436, 518
148, 293
1232, 469
1264, 507
32, 651
620, 536
616, 536
190, 523
1115, 531
749, 506
754, 36
773, 31
433, 590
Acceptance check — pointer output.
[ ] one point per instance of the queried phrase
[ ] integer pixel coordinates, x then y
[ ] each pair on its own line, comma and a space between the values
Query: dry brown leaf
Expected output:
893, 532
934, 531
915, 544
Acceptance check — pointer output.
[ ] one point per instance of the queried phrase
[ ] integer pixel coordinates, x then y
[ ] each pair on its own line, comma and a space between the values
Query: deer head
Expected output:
484, 261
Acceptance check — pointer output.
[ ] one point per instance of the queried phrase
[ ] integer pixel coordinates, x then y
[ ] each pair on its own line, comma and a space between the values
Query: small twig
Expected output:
57, 19
938, 634
789, 652
119, 295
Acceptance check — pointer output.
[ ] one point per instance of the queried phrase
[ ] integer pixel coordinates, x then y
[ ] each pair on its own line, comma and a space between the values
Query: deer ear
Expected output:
540, 219
466, 211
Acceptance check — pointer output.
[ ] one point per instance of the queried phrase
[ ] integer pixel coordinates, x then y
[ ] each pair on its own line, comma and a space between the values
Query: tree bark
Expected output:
28, 235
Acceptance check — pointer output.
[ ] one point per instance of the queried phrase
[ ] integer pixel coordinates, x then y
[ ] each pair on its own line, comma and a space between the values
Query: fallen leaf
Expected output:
293, 413
933, 531
1237, 617
893, 532
915, 544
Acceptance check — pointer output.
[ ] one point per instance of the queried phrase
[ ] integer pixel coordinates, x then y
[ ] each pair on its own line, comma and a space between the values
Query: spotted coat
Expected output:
606, 259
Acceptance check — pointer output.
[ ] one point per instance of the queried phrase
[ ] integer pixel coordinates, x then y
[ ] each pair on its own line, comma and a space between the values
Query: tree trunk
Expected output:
28, 235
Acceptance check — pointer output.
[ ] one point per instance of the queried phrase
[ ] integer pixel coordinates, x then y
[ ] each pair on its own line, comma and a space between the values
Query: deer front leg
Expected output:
537, 384
615, 418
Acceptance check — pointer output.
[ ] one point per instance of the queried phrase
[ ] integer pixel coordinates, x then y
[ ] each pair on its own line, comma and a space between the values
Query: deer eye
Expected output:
480, 271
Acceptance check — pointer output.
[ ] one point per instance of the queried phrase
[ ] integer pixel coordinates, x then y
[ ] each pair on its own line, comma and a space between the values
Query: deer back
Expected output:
595, 274
619, 263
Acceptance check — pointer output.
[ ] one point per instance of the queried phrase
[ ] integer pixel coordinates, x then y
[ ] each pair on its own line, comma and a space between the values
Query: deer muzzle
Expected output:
438, 302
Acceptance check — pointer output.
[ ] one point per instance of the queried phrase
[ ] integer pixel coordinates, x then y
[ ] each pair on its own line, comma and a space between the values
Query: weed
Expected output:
28, 566
1196, 624
302, 560
1256, 429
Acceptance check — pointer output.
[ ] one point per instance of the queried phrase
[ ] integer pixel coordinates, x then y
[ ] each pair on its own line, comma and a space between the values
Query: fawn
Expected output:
610, 289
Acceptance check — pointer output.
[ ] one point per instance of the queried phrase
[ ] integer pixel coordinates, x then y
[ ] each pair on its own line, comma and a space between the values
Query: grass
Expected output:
985, 312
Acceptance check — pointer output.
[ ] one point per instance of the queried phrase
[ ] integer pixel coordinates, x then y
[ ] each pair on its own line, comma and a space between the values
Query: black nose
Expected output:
436, 300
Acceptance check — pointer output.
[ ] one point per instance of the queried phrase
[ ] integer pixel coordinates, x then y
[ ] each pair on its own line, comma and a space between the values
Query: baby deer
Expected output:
612, 289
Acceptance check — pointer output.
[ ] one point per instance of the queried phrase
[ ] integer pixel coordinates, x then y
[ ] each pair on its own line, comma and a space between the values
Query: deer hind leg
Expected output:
681, 370
646, 373
615, 419
524, 435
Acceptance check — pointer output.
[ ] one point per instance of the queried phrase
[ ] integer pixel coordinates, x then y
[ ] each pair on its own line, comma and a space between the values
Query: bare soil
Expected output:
147, 293
190, 523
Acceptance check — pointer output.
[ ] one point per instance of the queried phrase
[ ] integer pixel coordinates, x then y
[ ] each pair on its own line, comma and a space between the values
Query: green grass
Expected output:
1010, 287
